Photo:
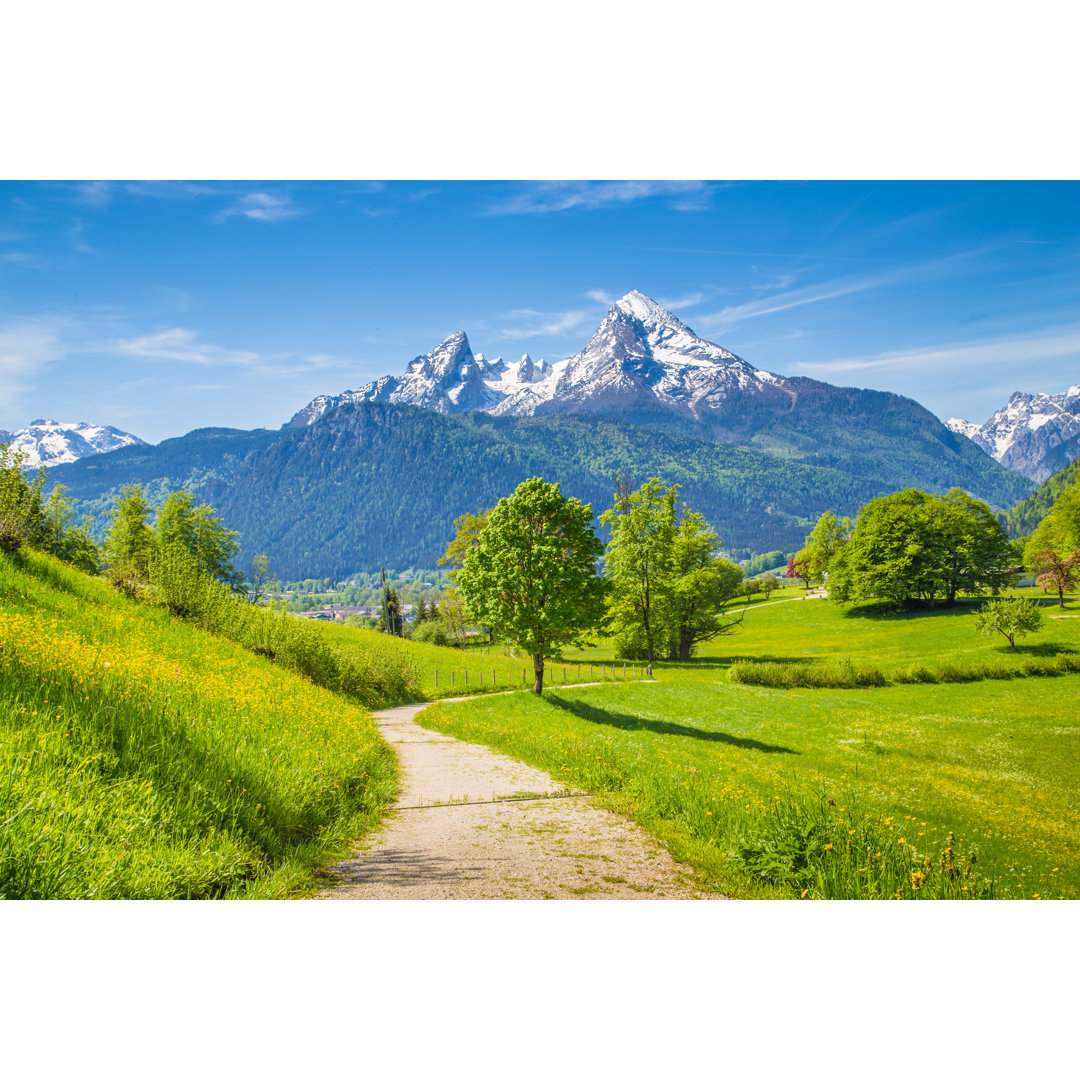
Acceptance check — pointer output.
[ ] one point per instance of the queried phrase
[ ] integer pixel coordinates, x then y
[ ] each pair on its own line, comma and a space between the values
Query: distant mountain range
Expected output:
48, 443
377, 475
645, 366
1034, 434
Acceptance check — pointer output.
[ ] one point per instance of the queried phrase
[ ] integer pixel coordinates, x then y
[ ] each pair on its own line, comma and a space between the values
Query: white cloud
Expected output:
26, 347
677, 303
260, 206
602, 296
544, 323
812, 294
180, 344
552, 196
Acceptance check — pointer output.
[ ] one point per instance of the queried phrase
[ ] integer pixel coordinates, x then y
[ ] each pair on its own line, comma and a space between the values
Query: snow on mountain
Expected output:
48, 443
1033, 434
640, 356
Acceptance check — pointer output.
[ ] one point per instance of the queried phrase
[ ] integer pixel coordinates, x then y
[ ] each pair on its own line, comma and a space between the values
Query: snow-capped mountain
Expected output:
449, 379
640, 357
48, 443
1034, 434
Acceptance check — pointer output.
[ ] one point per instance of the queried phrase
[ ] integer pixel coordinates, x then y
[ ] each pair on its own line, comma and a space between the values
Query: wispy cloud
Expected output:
554, 196
811, 294
260, 206
1019, 352
26, 347
831, 290
23, 259
677, 303
602, 296
532, 323
181, 345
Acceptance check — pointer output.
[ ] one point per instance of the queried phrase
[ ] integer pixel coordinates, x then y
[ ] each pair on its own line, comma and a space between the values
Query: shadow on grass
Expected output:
706, 663
1048, 648
626, 722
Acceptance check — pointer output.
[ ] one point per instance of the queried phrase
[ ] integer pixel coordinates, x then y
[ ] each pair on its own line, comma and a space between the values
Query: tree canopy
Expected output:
911, 547
531, 576
667, 584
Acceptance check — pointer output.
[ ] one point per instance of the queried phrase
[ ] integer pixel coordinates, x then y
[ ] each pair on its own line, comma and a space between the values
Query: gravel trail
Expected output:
474, 824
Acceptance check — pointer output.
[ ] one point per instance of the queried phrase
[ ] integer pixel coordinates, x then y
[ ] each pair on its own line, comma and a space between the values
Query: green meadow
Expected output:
877, 792
444, 672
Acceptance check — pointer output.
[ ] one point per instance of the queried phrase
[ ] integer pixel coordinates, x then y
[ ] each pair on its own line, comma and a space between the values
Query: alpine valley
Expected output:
377, 475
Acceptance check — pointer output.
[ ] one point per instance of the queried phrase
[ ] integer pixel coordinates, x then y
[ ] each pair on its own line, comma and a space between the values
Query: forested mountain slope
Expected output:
1024, 516
379, 484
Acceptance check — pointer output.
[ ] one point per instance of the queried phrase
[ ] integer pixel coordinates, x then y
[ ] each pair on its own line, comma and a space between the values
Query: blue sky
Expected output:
160, 307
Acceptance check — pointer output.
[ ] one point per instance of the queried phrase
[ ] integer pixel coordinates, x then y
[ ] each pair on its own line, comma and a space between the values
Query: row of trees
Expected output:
28, 519
529, 568
909, 547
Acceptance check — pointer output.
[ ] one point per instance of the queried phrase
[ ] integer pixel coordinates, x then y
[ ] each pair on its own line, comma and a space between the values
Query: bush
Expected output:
432, 632
842, 673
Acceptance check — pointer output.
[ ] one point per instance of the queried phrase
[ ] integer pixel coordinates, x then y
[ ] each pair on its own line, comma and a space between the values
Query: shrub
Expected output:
432, 632
843, 673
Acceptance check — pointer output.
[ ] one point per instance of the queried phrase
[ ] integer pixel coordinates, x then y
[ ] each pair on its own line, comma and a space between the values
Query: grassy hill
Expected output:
144, 758
842, 793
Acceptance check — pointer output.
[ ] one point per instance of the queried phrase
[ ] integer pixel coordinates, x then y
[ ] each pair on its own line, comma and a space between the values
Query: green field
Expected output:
448, 672
850, 790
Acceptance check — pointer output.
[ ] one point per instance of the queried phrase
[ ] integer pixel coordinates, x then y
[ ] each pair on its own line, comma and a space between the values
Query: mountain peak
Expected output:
639, 306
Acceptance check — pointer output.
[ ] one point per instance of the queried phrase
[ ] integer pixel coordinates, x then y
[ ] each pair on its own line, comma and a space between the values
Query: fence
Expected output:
604, 672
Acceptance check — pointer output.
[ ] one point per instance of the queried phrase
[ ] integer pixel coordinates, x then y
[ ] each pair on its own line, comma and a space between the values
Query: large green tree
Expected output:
639, 564
911, 547
702, 583
531, 575
199, 531
826, 538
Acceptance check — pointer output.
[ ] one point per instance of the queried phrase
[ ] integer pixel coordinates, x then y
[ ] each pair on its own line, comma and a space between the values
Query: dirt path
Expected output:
474, 824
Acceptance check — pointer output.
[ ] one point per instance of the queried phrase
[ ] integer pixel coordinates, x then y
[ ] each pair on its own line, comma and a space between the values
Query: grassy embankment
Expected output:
838, 792
143, 757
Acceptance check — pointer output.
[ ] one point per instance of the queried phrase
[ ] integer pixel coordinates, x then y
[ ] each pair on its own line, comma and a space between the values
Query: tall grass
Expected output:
142, 757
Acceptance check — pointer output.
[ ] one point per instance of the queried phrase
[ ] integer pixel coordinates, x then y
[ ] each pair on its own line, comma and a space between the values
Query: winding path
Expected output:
474, 824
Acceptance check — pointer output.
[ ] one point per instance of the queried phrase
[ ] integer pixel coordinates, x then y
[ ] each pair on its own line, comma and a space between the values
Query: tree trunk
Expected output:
538, 673
686, 640
1061, 597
